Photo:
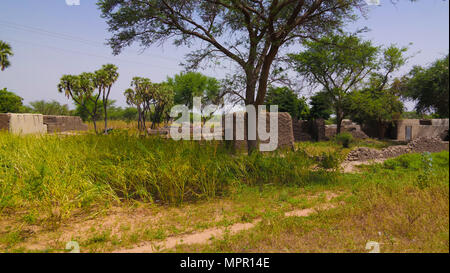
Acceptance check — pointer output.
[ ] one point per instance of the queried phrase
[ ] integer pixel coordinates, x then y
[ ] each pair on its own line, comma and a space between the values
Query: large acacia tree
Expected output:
341, 63
249, 32
429, 87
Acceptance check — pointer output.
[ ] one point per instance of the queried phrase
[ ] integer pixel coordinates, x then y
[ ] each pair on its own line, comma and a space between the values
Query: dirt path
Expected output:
351, 166
205, 236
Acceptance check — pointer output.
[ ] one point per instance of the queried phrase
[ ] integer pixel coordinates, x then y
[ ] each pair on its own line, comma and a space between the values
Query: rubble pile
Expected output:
419, 145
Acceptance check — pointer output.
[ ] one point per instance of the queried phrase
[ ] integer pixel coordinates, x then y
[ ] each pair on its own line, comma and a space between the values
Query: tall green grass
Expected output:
67, 172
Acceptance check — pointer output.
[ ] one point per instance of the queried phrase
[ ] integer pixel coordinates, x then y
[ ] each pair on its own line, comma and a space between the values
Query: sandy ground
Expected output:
351, 166
205, 236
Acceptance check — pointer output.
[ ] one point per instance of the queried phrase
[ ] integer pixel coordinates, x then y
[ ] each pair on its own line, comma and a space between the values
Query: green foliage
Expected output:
424, 179
49, 172
89, 111
415, 115
371, 106
9, 102
49, 108
344, 139
340, 63
104, 80
287, 101
321, 106
81, 89
259, 30
126, 114
5, 53
193, 84
330, 160
152, 100
429, 87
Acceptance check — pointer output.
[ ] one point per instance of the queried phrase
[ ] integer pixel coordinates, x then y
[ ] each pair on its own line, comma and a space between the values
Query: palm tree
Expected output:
5, 52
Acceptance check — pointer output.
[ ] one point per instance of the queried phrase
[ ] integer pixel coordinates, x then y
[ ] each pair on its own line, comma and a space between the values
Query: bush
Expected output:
344, 139
330, 160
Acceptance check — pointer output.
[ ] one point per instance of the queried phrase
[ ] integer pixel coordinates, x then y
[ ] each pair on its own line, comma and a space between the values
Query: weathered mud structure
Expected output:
409, 129
239, 121
347, 126
309, 130
401, 130
40, 124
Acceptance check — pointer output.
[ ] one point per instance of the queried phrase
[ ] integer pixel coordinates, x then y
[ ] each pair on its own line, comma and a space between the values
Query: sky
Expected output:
50, 38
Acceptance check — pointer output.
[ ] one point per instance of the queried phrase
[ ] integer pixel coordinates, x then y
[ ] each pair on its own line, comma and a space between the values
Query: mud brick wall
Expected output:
4, 122
318, 129
64, 123
309, 130
22, 123
433, 128
285, 130
301, 130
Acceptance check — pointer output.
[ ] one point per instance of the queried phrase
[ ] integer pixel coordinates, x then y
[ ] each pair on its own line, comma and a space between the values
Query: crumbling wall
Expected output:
347, 126
307, 130
317, 127
330, 131
64, 123
301, 130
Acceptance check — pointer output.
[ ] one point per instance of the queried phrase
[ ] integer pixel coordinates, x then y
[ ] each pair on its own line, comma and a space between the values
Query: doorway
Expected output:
408, 133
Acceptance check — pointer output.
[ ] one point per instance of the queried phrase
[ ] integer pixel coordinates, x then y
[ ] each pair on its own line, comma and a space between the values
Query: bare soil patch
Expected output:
205, 236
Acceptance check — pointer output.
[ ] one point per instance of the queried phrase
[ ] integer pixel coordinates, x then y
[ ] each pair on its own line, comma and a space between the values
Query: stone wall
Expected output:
64, 123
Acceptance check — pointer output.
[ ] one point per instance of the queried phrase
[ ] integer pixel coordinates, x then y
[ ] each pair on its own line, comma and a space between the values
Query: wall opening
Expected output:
408, 133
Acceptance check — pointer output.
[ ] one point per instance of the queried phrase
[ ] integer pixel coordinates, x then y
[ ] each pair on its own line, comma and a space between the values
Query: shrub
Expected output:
344, 139
330, 160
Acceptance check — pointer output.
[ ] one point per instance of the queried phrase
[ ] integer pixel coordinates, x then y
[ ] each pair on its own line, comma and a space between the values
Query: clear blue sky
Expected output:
50, 38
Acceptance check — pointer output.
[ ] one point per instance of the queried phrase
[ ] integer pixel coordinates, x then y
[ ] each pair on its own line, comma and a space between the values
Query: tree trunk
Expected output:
262, 89
139, 118
106, 118
252, 145
143, 123
339, 118
95, 124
